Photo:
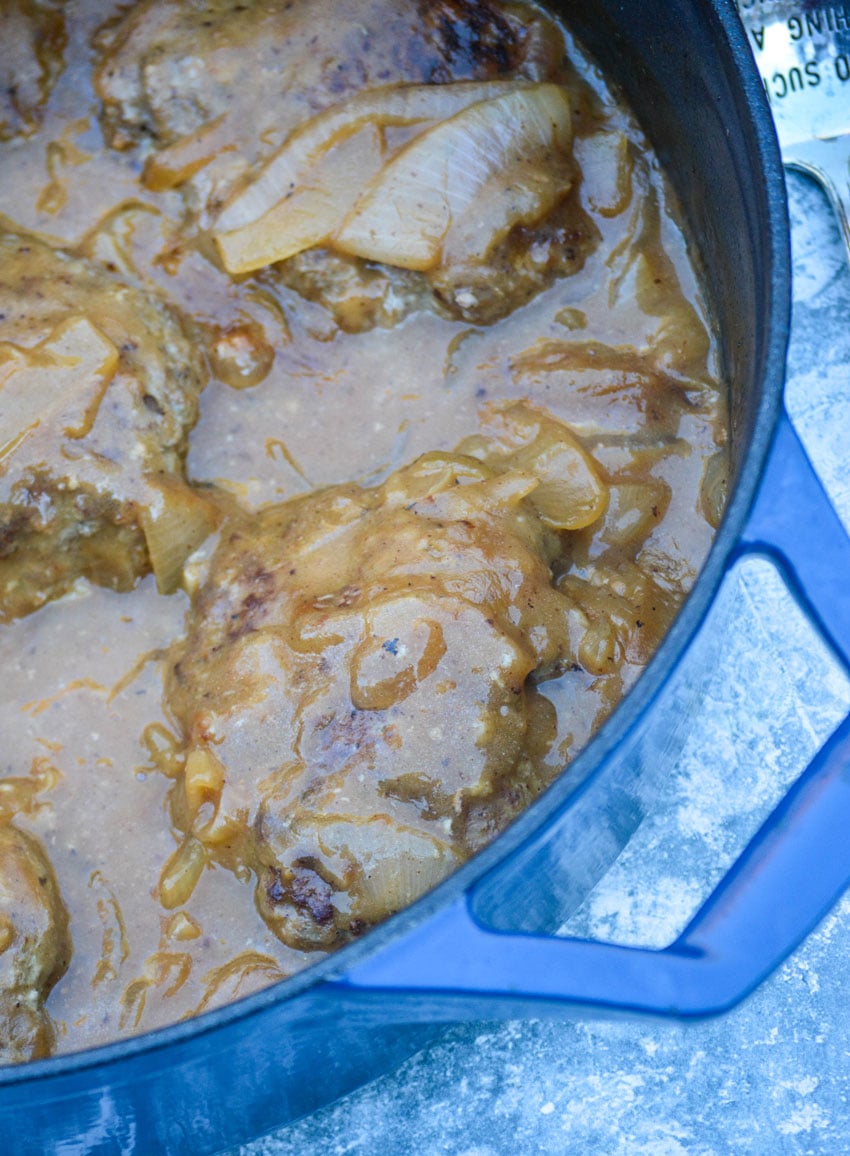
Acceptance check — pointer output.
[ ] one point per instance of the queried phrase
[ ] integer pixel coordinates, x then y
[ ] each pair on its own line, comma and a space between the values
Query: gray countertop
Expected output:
771, 1077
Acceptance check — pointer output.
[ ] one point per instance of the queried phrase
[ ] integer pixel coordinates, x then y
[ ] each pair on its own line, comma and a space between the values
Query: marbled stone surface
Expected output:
773, 1076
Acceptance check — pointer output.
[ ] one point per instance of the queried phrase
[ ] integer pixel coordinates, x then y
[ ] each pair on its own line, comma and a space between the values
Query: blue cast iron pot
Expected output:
480, 945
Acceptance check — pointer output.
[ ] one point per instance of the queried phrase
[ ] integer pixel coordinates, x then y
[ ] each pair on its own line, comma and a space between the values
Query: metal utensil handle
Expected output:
741, 933
828, 162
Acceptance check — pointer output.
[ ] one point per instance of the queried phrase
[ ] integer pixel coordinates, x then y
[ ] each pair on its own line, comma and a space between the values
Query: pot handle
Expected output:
784, 882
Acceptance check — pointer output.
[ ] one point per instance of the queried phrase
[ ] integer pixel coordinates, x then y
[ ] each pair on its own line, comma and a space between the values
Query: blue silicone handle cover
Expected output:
787, 878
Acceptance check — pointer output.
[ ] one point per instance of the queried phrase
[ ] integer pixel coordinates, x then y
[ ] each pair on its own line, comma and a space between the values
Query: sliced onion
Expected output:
503, 156
570, 495
225, 983
526, 442
179, 877
464, 503
175, 521
393, 105
312, 183
203, 779
714, 488
312, 211
388, 863
606, 165
174, 165
634, 510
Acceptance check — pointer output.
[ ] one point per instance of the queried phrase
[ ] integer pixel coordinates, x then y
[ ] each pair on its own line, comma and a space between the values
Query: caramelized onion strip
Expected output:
312, 183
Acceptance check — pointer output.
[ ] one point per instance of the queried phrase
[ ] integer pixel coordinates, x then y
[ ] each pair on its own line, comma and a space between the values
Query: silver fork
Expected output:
802, 50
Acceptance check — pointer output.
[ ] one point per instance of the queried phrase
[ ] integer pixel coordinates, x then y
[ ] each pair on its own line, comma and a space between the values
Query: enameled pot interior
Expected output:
686, 70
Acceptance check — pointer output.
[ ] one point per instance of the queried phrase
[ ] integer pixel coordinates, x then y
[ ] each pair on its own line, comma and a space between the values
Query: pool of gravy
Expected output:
83, 676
